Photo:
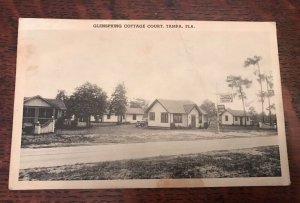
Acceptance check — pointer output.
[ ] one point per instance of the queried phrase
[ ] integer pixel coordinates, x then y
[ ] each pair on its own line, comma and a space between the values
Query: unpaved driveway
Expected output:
45, 157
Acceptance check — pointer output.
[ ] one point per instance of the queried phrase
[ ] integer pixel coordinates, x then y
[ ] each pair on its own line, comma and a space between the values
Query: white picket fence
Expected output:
47, 127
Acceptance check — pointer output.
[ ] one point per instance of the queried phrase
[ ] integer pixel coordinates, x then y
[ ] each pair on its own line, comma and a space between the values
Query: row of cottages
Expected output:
163, 113
235, 117
132, 115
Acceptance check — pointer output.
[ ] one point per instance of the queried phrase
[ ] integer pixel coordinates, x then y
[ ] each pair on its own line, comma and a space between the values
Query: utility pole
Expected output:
218, 126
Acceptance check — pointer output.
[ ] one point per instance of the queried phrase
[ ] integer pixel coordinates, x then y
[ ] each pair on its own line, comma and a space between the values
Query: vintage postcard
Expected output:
147, 104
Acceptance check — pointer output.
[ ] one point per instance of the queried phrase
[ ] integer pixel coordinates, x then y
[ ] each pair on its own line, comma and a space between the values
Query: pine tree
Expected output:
238, 83
260, 77
119, 101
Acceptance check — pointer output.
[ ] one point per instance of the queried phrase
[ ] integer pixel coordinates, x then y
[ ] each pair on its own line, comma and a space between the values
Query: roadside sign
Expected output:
221, 108
226, 98
229, 78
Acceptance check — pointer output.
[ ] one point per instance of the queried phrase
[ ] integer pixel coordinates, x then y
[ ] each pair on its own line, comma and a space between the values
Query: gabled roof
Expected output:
57, 103
176, 106
130, 110
202, 111
108, 112
236, 112
188, 107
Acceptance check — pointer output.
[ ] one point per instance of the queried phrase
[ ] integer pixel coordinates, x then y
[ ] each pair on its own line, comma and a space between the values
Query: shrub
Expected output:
28, 129
74, 123
60, 123
172, 126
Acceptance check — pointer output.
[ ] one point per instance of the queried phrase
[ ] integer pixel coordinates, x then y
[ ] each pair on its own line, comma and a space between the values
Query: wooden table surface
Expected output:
286, 13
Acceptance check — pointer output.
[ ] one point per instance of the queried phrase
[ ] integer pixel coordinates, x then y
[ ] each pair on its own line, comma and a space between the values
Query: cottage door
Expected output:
241, 120
193, 123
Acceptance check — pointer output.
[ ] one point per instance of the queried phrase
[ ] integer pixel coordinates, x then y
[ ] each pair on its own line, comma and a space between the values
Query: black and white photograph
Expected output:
147, 104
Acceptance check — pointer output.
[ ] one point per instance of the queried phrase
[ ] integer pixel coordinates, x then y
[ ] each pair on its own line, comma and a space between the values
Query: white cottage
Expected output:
41, 109
163, 113
133, 115
235, 117
109, 118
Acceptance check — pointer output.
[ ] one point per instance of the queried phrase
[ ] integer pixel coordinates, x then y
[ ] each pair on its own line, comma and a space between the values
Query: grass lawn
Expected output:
129, 134
252, 162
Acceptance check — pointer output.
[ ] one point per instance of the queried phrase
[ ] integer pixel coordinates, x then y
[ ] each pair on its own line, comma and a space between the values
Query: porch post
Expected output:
37, 128
53, 124
36, 114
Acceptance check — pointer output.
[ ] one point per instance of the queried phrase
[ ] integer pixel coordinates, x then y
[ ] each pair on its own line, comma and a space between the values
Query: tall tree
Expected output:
253, 114
260, 77
238, 83
62, 95
118, 101
252, 110
269, 94
87, 100
139, 103
210, 109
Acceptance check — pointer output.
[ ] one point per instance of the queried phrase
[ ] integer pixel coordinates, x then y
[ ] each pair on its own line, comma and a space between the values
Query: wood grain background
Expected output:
287, 15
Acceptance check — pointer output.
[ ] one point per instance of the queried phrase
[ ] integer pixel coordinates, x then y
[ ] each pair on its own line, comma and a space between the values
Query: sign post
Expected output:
224, 98
218, 124
221, 108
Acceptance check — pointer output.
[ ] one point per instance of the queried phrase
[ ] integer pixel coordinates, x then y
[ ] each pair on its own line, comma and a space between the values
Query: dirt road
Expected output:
45, 157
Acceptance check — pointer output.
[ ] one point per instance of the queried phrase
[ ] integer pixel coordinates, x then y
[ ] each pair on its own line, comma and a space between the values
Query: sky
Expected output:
183, 64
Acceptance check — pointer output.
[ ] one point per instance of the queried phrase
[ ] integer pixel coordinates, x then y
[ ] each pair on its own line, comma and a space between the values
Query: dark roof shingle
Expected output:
53, 102
237, 112
130, 110
177, 106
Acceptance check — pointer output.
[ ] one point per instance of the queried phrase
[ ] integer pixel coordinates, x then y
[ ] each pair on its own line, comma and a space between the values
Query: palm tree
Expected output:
255, 61
238, 83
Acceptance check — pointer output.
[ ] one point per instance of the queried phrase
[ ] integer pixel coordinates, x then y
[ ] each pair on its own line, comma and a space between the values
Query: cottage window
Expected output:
164, 118
226, 118
134, 117
177, 118
235, 118
28, 112
152, 116
108, 116
200, 118
45, 113
247, 118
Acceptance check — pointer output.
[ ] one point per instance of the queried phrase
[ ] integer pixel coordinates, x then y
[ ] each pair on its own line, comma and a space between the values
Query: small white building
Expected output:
163, 113
109, 118
133, 115
235, 117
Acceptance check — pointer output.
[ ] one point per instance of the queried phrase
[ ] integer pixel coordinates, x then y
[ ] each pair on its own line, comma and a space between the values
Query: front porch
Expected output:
33, 115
